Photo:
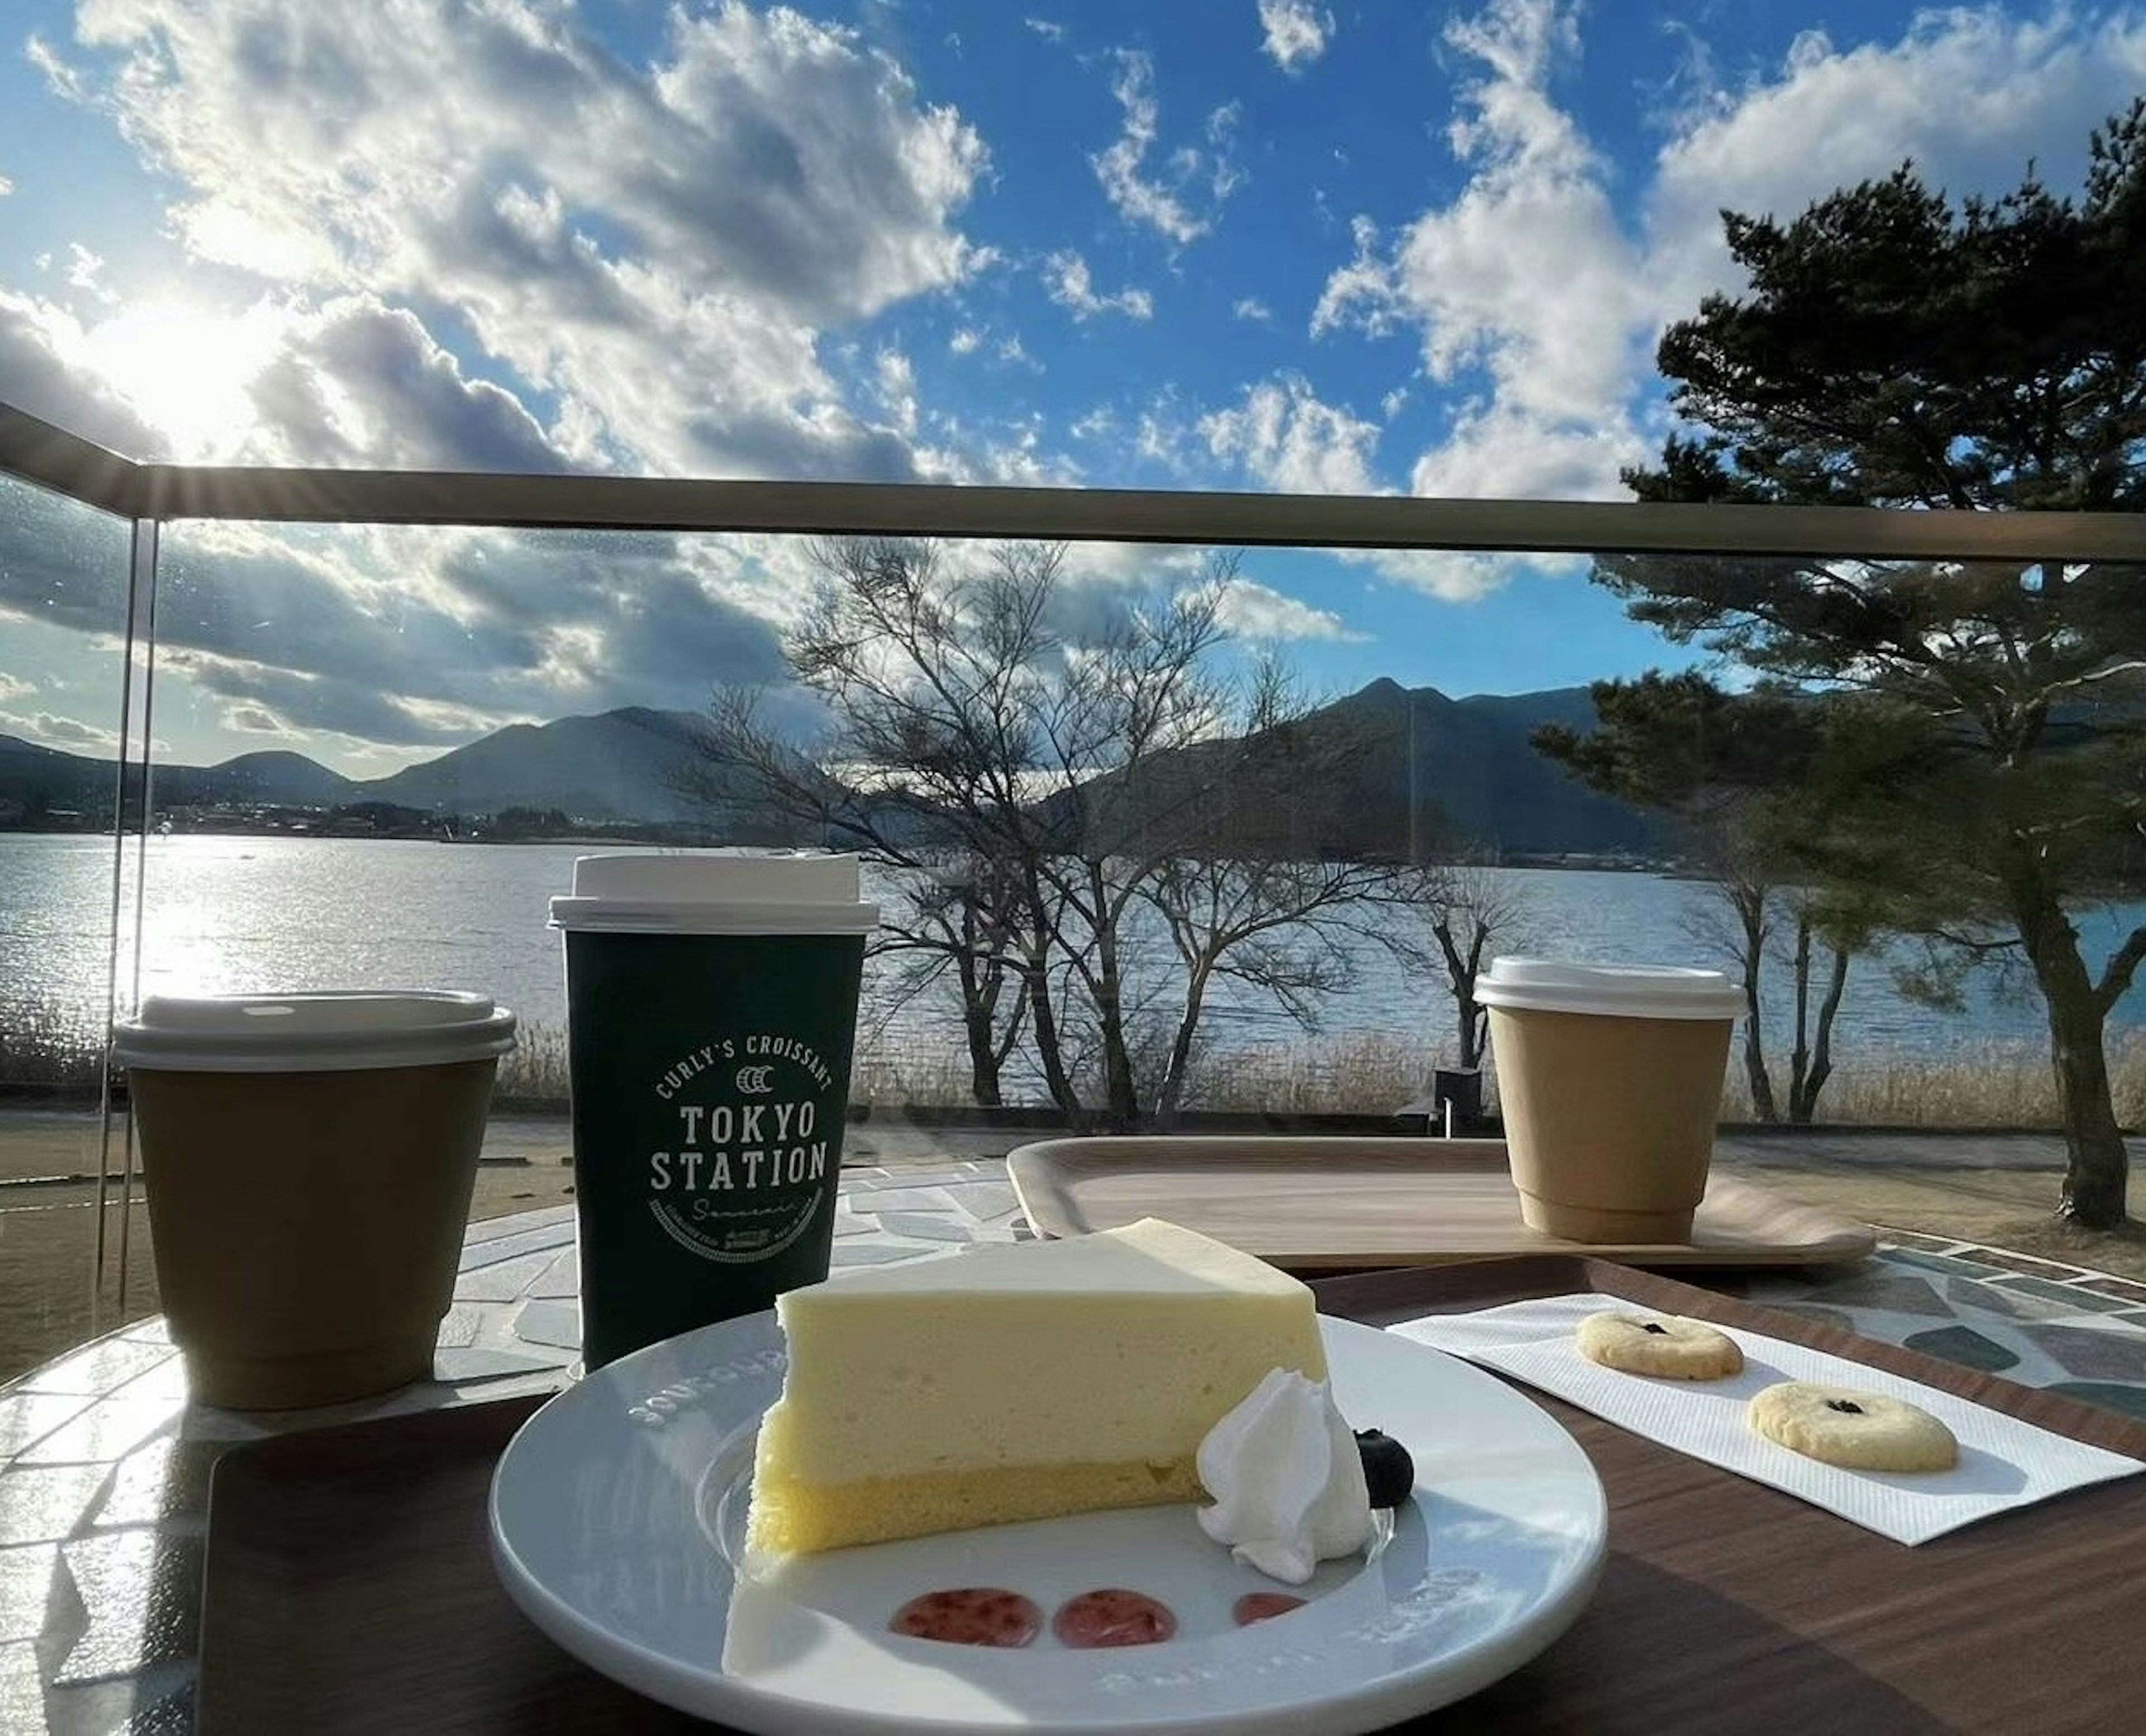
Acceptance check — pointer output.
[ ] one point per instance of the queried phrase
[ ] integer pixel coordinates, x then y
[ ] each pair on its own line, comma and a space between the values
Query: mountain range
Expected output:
1417, 766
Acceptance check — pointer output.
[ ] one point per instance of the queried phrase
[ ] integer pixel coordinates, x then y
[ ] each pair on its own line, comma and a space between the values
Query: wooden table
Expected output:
104, 1467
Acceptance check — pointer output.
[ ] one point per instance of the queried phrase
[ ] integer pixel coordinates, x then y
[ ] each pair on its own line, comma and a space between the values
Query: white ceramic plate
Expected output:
618, 1512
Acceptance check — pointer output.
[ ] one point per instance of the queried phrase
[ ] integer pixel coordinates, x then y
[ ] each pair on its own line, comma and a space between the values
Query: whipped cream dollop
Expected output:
1287, 1480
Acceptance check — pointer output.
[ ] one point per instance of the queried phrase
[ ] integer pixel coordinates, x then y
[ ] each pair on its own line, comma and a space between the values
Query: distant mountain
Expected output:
1471, 762
38, 778
1399, 770
619, 766
278, 777
1391, 770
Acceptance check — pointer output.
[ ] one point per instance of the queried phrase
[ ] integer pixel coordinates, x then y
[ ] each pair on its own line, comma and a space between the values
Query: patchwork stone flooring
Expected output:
2079, 1332
105, 1468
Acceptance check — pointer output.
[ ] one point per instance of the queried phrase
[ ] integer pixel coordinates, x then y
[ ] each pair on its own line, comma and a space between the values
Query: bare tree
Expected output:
1759, 923
1451, 917
1058, 809
954, 927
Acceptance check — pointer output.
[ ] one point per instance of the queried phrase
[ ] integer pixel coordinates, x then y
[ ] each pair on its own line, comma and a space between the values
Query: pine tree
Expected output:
1894, 349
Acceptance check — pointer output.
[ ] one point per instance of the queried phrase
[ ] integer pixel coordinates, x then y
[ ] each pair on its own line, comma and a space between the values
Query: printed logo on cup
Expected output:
745, 1172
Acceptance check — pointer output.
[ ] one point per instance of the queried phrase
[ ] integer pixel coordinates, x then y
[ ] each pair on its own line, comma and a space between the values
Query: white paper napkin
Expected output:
2004, 1463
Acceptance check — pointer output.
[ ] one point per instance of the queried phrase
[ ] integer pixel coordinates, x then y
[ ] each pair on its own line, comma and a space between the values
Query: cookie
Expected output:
1666, 1344
1862, 1431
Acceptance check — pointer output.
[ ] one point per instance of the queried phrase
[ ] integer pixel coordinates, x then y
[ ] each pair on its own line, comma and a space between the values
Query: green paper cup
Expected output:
711, 1009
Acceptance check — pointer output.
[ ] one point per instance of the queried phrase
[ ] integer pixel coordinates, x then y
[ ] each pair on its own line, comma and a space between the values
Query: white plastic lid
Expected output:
335, 1031
1629, 991
717, 892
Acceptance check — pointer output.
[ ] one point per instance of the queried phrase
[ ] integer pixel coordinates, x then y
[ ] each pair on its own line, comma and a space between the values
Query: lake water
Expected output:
225, 914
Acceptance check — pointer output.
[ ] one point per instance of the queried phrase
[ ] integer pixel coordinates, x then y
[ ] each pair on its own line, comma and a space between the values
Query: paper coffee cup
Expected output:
1609, 1081
309, 1160
712, 1008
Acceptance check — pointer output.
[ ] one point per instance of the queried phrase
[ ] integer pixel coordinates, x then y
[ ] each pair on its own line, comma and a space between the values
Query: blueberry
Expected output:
1389, 1472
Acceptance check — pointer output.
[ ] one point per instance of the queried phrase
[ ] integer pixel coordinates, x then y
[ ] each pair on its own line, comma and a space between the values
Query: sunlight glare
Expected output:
186, 372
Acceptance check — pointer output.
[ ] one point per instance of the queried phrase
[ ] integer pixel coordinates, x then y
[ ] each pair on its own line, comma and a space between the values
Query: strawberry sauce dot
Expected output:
970, 1615
1112, 1617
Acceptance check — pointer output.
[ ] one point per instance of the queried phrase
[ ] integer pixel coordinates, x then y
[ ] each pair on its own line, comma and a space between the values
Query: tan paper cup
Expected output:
1609, 1081
309, 1160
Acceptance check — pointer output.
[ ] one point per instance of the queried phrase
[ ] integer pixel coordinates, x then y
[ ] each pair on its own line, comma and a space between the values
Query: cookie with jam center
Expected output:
1663, 1344
1859, 1431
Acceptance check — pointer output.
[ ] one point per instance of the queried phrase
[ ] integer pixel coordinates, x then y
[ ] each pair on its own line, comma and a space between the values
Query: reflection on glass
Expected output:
64, 586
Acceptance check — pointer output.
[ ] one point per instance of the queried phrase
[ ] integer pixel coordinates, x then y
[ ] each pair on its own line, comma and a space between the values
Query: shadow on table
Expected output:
1630, 1664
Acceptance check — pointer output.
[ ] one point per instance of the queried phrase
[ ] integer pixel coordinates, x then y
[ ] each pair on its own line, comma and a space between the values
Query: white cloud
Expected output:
361, 384
1453, 576
1251, 307
1253, 610
1004, 347
1361, 293
69, 733
1161, 201
1294, 33
896, 379
83, 273
1500, 450
1288, 441
6, 186
1539, 308
60, 78
1046, 28
1527, 275
43, 359
1067, 278
660, 248
351, 382
253, 720
14, 687
1971, 94
1225, 175
1159, 435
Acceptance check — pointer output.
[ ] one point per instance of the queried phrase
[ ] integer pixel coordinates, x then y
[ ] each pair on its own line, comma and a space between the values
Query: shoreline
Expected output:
520, 1115
1361, 1082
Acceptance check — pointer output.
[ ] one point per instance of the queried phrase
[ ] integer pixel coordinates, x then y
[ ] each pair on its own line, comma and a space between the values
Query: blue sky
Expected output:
1267, 244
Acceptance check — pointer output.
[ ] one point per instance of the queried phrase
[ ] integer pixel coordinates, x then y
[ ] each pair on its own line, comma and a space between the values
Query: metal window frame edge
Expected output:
40, 452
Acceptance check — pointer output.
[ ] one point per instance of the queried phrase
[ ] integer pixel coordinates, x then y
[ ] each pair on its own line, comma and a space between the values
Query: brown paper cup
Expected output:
1610, 1082
307, 1226
308, 1222
1608, 1120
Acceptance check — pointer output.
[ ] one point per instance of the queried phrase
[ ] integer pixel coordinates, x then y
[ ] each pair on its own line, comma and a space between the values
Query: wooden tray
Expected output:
349, 1588
1328, 1205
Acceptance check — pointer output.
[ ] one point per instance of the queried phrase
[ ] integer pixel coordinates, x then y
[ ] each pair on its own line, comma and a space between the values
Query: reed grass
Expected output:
1978, 1085
47, 1050
533, 1075
46, 1053
1367, 1075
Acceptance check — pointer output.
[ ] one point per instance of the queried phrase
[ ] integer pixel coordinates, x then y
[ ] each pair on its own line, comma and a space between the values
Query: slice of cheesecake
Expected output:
1015, 1381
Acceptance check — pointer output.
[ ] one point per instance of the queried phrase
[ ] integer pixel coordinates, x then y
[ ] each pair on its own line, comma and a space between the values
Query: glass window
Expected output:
64, 923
